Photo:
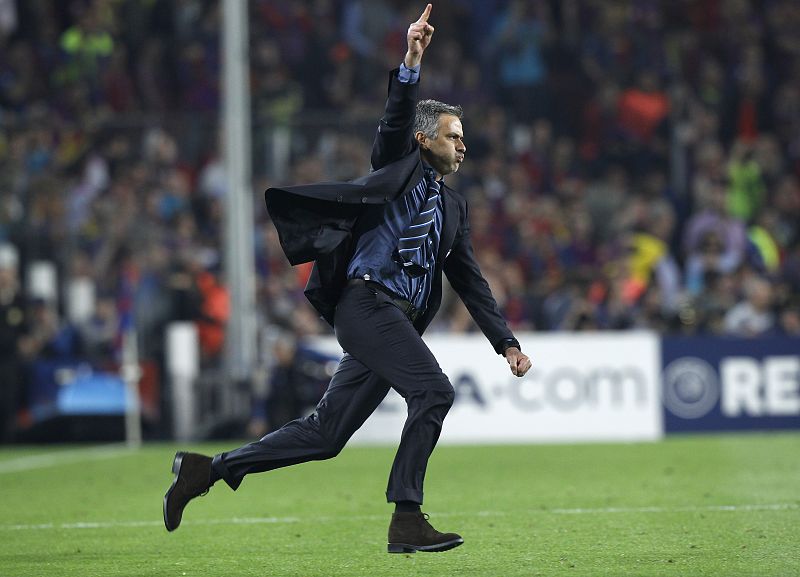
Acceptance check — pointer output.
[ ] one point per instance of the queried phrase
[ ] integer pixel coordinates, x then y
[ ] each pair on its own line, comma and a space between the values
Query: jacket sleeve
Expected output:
395, 136
464, 274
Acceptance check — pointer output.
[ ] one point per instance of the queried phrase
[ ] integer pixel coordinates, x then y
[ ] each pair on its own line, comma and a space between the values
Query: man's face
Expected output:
445, 153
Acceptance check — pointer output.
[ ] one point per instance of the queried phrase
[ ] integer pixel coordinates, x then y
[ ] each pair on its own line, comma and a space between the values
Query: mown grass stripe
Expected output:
328, 519
67, 457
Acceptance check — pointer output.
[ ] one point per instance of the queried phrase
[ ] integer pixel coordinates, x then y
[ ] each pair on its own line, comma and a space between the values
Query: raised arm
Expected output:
395, 137
419, 36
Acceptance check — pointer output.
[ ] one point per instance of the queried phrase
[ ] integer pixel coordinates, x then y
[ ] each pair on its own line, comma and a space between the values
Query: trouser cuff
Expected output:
222, 470
395, 495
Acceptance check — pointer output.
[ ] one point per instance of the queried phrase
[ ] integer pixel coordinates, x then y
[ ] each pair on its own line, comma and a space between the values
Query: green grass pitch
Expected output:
689, 506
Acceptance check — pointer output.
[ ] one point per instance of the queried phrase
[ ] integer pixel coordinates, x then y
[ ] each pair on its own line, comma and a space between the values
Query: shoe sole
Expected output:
438, 548
176, 469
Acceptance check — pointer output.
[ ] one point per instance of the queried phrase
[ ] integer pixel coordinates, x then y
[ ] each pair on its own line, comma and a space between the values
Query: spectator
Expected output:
516, 43
712, 239
13, 329
88, 45
100, 332
214, 315
746, 192
297, 380
752, 316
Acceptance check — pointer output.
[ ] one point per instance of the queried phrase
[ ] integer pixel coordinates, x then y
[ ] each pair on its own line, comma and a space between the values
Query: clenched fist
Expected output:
518, 361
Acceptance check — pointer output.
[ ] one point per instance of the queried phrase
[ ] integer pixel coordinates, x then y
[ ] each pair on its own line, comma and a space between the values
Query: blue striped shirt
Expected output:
380, 230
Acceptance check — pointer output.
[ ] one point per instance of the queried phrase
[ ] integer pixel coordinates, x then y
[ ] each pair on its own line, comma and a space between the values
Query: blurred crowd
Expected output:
630, 163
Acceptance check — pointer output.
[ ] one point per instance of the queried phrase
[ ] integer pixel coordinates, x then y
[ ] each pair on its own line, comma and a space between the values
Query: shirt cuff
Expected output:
408, 75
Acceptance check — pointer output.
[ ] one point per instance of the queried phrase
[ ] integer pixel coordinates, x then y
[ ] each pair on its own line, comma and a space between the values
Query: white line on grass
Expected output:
127, 524
68, 457
325, 519
709, 508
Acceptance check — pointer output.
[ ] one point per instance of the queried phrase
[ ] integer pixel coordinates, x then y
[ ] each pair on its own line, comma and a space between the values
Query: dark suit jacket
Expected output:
317, 221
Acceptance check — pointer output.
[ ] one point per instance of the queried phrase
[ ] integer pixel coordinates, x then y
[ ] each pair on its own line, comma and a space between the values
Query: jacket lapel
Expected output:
449, 224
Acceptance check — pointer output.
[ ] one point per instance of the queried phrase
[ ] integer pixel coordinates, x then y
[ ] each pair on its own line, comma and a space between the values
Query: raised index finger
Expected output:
425, 13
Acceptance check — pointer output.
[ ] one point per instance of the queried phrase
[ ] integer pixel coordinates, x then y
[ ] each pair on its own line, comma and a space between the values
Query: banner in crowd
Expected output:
582, 387
714, 384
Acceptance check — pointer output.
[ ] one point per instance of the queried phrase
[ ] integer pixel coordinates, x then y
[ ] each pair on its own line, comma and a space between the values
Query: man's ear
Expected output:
421, 139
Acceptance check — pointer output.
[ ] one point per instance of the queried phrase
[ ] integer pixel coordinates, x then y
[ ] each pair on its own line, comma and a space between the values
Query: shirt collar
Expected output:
430, 173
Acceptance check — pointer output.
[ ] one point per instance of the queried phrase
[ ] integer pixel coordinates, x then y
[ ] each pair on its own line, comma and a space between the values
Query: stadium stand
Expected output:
630, 164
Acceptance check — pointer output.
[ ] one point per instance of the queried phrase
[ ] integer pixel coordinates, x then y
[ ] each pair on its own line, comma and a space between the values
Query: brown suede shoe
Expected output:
410, 532
192, 478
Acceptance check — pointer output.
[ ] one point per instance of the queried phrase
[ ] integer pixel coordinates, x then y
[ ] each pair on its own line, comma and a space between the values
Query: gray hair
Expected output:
428, 112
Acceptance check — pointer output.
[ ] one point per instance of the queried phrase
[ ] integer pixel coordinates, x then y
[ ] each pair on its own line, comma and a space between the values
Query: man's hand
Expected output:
519, 362
419, 36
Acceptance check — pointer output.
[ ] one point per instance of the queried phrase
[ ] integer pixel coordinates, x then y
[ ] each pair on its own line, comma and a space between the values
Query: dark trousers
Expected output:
382, 350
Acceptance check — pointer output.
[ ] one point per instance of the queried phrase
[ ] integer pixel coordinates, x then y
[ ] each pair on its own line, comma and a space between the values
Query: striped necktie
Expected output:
409, 248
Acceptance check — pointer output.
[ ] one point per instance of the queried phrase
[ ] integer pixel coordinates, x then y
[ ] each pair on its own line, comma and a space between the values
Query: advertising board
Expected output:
582, 387
713, 384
